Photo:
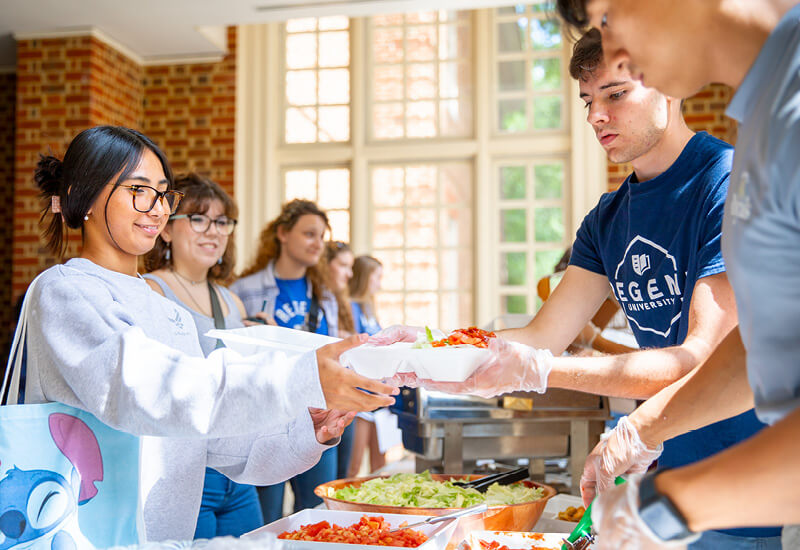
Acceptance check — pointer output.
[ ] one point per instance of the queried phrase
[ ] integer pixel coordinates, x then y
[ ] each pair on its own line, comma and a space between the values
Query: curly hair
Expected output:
269, 246
198, 192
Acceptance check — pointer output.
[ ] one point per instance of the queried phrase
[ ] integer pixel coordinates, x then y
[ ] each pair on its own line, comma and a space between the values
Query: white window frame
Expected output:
261, 156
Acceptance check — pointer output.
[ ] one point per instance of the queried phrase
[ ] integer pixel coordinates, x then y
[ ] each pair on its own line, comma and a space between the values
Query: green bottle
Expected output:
582, 535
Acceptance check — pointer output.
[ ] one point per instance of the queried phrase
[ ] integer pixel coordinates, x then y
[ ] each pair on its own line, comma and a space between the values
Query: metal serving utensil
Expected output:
452, 515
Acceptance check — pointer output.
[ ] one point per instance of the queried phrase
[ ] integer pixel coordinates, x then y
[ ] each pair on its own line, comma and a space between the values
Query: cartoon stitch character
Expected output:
38, 508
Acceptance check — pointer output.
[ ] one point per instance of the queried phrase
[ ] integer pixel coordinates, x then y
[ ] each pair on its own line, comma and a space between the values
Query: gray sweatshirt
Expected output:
106, 343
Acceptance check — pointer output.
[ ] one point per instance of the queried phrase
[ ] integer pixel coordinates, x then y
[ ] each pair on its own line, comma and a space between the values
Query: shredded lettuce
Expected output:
420, 490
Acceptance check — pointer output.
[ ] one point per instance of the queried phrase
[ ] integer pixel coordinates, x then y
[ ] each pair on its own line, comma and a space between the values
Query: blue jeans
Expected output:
712, 540
345, 450
227, 508
303, 485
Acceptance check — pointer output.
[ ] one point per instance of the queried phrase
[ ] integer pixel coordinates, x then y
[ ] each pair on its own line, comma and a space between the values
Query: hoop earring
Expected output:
219, 261
168, 255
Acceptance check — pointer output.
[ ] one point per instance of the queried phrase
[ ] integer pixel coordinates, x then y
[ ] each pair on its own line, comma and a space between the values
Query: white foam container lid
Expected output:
515, 540
252, 340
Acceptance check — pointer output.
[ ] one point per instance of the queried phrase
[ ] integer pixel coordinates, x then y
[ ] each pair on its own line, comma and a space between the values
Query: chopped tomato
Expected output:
372, 530
472, 336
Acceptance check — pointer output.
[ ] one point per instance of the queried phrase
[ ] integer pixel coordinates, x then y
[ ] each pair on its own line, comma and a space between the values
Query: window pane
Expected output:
334, 123
388, 229
388, 122
301, 51
421, 78
388, 45
334, 22
334, 86
511, 76
456, 272
549, 224
546, 262
545, 33
300, 25
454, 79
511, 10
301, 87
455, 118
422, 270
421, 17
390, 307
301, 184
546, 74
421, 43
456, 182
512, 182
454, 41
547, 112
421, 185
511, 113
422, 308
340, 225
456, 227
387, 186
511, 36
549, 180
512, 226
516, 304
334, 188
301, 125
421, 228
393, 269
388, 82
334, 49
390, 19
513, 268
421, 119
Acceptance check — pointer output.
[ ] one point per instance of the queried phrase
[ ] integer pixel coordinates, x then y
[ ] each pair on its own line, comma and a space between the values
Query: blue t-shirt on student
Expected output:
292, 305
654, 240
364, 323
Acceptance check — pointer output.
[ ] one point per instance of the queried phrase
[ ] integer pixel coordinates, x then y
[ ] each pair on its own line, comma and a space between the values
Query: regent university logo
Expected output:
647, 287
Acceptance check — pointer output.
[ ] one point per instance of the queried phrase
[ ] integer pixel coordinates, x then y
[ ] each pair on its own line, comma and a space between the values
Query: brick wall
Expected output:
116, 92
704, 111
190, 111
8, 101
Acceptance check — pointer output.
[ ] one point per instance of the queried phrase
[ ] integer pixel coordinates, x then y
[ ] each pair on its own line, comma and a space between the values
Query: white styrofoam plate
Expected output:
515, 540
438, 533
252, 340
549, 521
445, 364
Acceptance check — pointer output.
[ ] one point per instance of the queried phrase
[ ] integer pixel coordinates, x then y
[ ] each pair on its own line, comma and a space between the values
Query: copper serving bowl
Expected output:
513, 517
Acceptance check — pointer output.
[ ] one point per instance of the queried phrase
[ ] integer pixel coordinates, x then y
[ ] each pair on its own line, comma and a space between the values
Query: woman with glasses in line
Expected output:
99, 339
190, 259
287, 282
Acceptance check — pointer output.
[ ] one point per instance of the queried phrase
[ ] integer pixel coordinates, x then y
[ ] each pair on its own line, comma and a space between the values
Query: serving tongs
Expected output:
503, 478
452, 515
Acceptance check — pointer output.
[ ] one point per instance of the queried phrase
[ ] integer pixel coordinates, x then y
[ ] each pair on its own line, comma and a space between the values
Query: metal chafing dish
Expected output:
446, 431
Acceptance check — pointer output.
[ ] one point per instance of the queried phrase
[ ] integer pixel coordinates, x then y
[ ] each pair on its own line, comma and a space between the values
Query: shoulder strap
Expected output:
9, 393
312, 321
216, 311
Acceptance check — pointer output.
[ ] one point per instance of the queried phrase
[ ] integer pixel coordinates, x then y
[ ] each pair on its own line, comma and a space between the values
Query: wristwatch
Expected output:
659, 513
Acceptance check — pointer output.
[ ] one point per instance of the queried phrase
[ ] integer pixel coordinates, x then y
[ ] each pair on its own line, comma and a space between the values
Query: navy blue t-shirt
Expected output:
363, 322
654, 240
292, 304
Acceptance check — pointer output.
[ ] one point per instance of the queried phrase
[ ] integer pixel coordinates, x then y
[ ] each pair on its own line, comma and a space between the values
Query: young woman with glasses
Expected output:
190, 259
101, 340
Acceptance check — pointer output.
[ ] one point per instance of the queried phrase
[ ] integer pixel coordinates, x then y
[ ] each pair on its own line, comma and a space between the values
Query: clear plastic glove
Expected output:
399, 333
620, 451
615, 517
511, 367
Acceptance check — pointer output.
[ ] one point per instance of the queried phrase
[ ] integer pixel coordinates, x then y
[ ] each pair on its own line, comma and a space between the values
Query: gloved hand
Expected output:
510, 367
615, 517
400, 333
620, 451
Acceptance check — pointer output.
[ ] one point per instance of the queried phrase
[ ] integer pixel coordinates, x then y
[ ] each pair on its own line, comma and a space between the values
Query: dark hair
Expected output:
269, 247
198, 193
93, 159
573, 12
587, 55
333, 249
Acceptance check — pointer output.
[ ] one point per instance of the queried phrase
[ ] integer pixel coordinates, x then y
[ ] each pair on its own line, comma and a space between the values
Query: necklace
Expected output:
186, 290
187, 279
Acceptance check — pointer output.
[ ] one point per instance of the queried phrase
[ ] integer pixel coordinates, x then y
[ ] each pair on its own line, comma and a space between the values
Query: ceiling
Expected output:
168, 31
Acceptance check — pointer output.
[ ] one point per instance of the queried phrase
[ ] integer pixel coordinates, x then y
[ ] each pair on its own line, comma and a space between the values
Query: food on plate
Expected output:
471, 336
371, 530
494, 545
422, 491
572, 513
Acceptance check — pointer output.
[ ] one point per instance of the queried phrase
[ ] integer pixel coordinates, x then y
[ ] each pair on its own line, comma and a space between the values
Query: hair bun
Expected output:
48, 175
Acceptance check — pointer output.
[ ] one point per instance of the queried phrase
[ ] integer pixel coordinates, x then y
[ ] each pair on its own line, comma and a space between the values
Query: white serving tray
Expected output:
445, 364
514, 540
252, 340
438, 533
549, 521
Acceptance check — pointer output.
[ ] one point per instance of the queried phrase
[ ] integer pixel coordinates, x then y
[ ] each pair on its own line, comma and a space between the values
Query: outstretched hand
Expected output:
329, 423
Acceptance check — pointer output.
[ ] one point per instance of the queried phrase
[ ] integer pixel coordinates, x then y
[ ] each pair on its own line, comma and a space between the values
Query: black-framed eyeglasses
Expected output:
200, 223
145, 197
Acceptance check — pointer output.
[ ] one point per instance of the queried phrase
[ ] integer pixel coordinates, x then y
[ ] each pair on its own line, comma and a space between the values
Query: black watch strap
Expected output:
659, 513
